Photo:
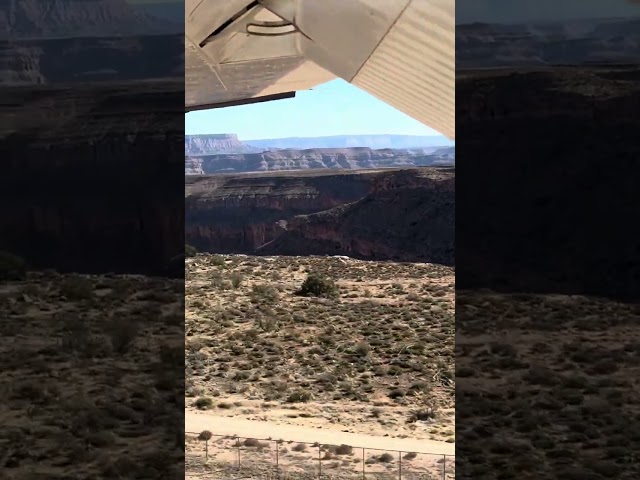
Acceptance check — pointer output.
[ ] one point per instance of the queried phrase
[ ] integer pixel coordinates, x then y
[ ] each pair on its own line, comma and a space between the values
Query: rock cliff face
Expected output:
314, 158
404, 215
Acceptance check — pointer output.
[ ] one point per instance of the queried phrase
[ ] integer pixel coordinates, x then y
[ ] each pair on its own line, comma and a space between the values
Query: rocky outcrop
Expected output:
404, 215
315, 158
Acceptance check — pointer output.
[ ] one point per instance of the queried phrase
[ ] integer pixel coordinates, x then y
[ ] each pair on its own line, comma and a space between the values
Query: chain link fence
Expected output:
234, 458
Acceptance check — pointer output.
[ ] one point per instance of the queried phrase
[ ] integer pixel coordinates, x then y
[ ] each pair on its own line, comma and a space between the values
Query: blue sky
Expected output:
334, 108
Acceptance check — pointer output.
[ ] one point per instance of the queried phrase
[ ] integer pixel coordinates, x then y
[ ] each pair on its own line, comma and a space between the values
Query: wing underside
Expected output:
402, 52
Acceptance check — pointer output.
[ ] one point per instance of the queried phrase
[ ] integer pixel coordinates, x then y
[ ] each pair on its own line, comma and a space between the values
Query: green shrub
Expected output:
396, 393
385, 458
77, 288
344, 450
204, 403
190, 251
317, 285
424, 414
236, 280
300, 396
122, 334
262, 293
362, 349
217, 261
12, 267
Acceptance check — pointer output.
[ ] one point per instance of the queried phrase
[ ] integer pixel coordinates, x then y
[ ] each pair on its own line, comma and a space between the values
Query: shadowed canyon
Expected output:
400, 214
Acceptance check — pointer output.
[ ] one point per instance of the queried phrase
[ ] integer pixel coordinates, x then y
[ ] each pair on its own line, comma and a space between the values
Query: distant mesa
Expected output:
225, 153
215, 143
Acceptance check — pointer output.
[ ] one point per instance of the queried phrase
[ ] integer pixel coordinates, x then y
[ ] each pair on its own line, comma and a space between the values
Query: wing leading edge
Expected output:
402, 52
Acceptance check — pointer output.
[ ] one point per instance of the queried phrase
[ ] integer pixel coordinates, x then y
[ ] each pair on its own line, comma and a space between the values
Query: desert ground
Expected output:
91, 377
548, 386
370, 365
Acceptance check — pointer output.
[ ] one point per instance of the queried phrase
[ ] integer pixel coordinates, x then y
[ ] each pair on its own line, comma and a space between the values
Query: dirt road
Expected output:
196, 421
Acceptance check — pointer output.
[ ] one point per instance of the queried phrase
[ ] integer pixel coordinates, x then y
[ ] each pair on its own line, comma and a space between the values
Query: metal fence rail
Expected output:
234, 458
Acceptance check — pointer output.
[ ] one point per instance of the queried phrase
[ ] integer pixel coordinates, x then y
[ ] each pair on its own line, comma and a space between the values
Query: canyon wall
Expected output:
404, 215
237, 214
315, 158
405, 218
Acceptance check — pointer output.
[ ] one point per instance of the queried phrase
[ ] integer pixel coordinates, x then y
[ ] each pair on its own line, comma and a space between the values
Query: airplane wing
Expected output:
400, 51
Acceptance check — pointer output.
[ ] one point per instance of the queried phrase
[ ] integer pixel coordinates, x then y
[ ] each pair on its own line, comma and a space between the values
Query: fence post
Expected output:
400, 465
444, 468
363, 474
319, 461
277, 461
238, 447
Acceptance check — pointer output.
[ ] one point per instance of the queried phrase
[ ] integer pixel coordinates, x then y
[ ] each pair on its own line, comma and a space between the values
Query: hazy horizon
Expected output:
435, 135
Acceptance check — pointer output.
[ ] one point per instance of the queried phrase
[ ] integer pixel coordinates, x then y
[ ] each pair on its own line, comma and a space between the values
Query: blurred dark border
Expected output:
92, 238
547, 244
